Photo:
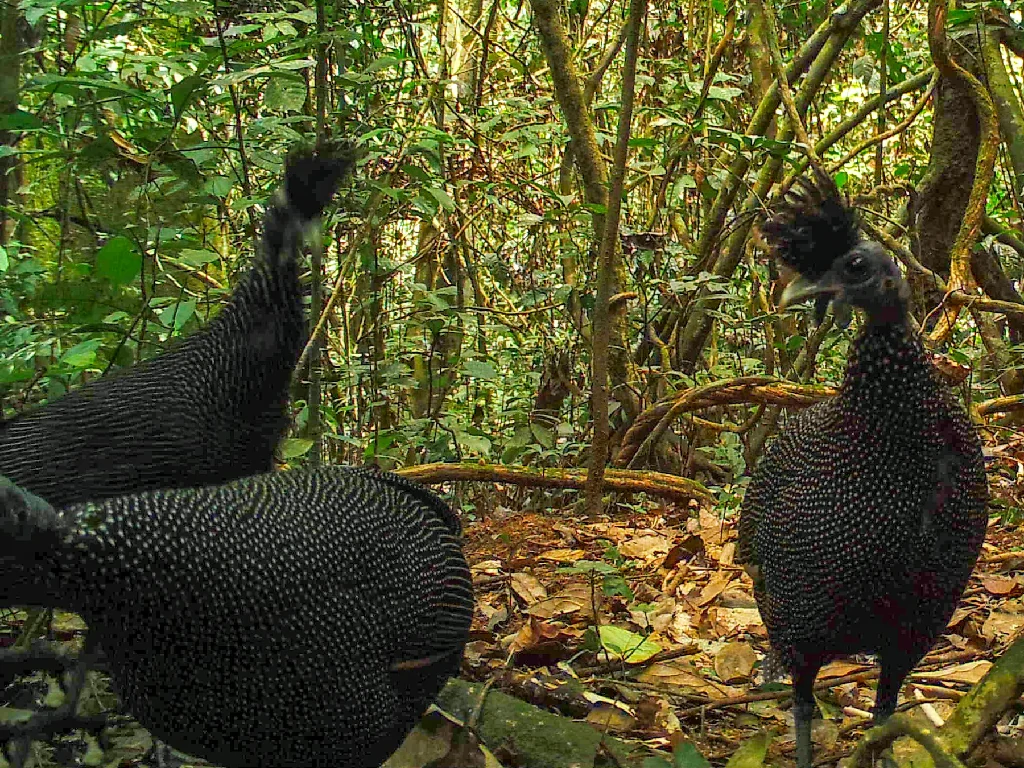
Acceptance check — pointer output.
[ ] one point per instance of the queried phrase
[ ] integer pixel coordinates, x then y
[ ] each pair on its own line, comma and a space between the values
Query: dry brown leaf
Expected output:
734, 662
715, 587
562, 555
731, 619
841, 668
486, 568
659, 618
680, 628
477, 649
645, 547
999, 585
728, 553
961, 613
496, 617
576, 597
609, 717
737, 598
528, 587
683, 675
969, 673
1002, 624
534, 633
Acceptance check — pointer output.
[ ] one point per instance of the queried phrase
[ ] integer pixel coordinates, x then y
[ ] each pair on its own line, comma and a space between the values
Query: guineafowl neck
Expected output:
889, 375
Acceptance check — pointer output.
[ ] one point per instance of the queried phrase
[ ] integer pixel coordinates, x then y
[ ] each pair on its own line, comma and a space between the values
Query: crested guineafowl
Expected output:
209, 411
298, 619
864, 518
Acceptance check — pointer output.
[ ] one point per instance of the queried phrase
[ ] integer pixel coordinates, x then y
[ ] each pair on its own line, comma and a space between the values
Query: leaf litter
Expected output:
669, 582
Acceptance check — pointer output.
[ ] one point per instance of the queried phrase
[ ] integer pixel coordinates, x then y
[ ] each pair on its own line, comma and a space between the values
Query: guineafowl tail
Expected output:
211, 410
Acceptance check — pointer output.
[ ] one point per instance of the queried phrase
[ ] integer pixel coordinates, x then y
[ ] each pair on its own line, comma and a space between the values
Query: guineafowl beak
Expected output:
827, 292
802, 288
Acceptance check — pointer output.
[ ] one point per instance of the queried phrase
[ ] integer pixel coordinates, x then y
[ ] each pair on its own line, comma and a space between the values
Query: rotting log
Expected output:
537, 739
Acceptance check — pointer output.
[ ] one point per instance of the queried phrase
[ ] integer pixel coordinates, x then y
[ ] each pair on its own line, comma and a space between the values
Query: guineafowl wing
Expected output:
782, 465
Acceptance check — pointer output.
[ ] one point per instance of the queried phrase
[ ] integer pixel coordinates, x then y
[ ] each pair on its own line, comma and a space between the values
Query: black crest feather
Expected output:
312, 177
811, 226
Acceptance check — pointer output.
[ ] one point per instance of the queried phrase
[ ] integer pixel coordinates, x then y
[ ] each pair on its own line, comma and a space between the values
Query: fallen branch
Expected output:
828, 683
626, 481
1007, 404
652, 423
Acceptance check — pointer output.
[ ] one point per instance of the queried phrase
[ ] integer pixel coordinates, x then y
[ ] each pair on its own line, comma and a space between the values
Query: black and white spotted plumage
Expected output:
211, 410
864, 518
303, 618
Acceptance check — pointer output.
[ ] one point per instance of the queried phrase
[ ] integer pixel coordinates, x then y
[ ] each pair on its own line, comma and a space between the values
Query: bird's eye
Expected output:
857, 266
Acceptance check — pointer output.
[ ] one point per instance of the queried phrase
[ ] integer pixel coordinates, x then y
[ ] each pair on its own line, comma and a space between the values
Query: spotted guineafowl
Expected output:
864, 518
303, 618
209, 411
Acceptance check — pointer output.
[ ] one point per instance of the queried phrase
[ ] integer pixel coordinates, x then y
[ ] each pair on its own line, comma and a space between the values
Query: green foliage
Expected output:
150, 136
685, 755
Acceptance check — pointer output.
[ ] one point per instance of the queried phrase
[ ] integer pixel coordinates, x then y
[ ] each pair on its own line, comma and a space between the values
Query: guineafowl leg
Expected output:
894, 669
803, 711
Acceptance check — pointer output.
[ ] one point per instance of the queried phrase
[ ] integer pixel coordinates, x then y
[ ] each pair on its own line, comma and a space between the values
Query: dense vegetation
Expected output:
142, 137
548, 195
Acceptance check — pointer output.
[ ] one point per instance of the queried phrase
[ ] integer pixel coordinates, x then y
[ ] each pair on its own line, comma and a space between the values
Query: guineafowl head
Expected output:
24, 517
864, 277
814, 232
30, 529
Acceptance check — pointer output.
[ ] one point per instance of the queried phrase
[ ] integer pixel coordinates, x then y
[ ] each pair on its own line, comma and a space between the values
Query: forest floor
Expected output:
682, 643
641, 624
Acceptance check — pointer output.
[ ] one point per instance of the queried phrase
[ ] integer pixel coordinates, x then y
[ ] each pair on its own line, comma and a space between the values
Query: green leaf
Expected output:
286, 94
183, 93
962, 16
475, 443
751, 753
589, 566
294, 447
176, 315
197, 258
81, 355
4, 261
382, 63
543, 435
656, 762
293, 65
118, 261
478, 369
442, 197
722, 93
12, 715
628, 646
688, 756
218, 186
20, 120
